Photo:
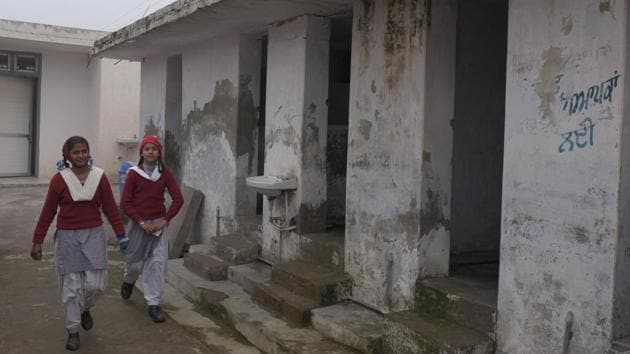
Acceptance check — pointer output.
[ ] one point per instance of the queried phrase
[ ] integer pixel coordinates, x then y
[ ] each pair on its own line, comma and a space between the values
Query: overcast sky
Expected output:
104, 15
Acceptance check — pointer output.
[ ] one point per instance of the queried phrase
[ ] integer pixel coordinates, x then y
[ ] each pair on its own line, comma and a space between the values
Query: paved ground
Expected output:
31, 317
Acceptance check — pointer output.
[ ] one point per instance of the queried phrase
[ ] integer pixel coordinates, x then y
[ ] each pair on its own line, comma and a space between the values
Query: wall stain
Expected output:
363, 162
365, 25
607, 6
247, 121
311, 147
213, 120
545, 89
431, 216
150, 128
365, 127
580, 233
173, 154
311, 219
395, 42
567, 25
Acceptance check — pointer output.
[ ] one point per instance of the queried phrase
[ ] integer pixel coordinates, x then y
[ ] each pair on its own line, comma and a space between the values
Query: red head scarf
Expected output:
151, 139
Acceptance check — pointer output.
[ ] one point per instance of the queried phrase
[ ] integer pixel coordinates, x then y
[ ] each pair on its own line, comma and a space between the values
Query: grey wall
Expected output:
173, 115
478, 129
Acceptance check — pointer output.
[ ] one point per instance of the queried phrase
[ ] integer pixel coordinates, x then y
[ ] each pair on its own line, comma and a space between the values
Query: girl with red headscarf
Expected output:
80, 191
143, 201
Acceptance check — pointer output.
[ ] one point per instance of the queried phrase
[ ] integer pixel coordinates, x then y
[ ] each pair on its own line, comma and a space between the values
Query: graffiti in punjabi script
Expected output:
596, 94
578, 138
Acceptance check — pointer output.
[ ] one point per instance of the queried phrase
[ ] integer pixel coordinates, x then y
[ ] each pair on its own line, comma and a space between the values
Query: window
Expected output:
4, 62
25, 63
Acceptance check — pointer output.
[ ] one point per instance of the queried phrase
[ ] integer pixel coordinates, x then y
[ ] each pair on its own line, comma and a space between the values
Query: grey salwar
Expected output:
81, 262
147, 254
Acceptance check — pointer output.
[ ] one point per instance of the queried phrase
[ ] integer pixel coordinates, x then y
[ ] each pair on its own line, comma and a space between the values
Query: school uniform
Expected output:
147, 253
80, 245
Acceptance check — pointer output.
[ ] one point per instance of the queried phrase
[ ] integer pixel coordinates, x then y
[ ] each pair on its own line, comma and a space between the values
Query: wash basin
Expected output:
271, 186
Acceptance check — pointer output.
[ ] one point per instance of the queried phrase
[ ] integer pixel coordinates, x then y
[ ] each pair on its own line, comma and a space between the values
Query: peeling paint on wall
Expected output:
247, 124
552, 64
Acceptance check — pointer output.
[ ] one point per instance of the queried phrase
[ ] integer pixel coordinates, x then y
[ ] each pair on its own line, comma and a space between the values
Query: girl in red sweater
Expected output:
143, 202
80, 191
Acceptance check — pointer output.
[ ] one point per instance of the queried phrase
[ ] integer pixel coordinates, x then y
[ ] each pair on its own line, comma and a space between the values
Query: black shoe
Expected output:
73, 341
156, 314
126, 289
86, 320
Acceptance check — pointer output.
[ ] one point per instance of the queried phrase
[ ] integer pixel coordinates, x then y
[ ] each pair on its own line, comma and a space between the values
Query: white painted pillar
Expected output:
387, 249
565, 184
296, 123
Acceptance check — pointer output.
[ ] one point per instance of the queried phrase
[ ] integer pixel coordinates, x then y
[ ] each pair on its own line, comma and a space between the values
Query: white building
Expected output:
50, 89
486, 178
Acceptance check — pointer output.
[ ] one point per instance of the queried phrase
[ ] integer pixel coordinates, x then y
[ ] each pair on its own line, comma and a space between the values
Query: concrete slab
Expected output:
407, 333
214, 335
261, 328
295, 308
323, 285
249, 275
181, 226
236, 248
324, 248
351, 324
206, 265
469, 297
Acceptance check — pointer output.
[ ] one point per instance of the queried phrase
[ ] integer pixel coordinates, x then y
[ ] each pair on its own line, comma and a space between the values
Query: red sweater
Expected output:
144, 199
77, 215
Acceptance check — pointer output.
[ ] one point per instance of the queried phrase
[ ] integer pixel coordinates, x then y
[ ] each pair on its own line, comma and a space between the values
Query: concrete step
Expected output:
321, 284
295, 308
235, 248
620, 346
464, 300
324, 248
214, 334
407, 333
206, 265
249, 275
267, 332
351, 324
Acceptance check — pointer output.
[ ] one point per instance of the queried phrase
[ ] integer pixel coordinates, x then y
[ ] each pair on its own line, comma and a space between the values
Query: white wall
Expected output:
68, 89
119, 111
561, 203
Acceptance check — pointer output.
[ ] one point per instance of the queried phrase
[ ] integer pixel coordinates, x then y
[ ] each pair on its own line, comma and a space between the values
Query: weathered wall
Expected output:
152, 94
173, 122
217, 145
478, 130
296, 122
435, 213
119, 109
385, 134
561, 180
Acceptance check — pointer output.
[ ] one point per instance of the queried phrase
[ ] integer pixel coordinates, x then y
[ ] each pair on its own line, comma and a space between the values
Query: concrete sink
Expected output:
271, 186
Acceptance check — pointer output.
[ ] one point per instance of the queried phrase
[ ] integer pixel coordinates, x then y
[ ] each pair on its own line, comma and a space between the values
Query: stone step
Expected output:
461, 300
206, 265
321, 284
249, 275
267, 332
235, 248
351, 324
185, 313
407, 333
620, 346
295, 308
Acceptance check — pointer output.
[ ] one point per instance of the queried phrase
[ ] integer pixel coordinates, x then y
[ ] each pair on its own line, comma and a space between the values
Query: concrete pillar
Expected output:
296, 122
387, 248
565, 181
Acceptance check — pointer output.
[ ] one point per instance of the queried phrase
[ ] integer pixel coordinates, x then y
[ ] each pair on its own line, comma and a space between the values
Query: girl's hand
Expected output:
146, 227
36, 252
159, 226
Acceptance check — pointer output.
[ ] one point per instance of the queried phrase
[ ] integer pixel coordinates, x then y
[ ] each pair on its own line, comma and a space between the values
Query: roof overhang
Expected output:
189, 21
27, 36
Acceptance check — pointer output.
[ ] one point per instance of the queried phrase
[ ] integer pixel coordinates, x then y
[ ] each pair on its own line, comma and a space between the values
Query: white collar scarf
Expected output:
154, 176
82, 192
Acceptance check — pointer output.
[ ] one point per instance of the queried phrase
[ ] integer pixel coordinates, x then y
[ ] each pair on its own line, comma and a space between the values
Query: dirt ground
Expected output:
31, 317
